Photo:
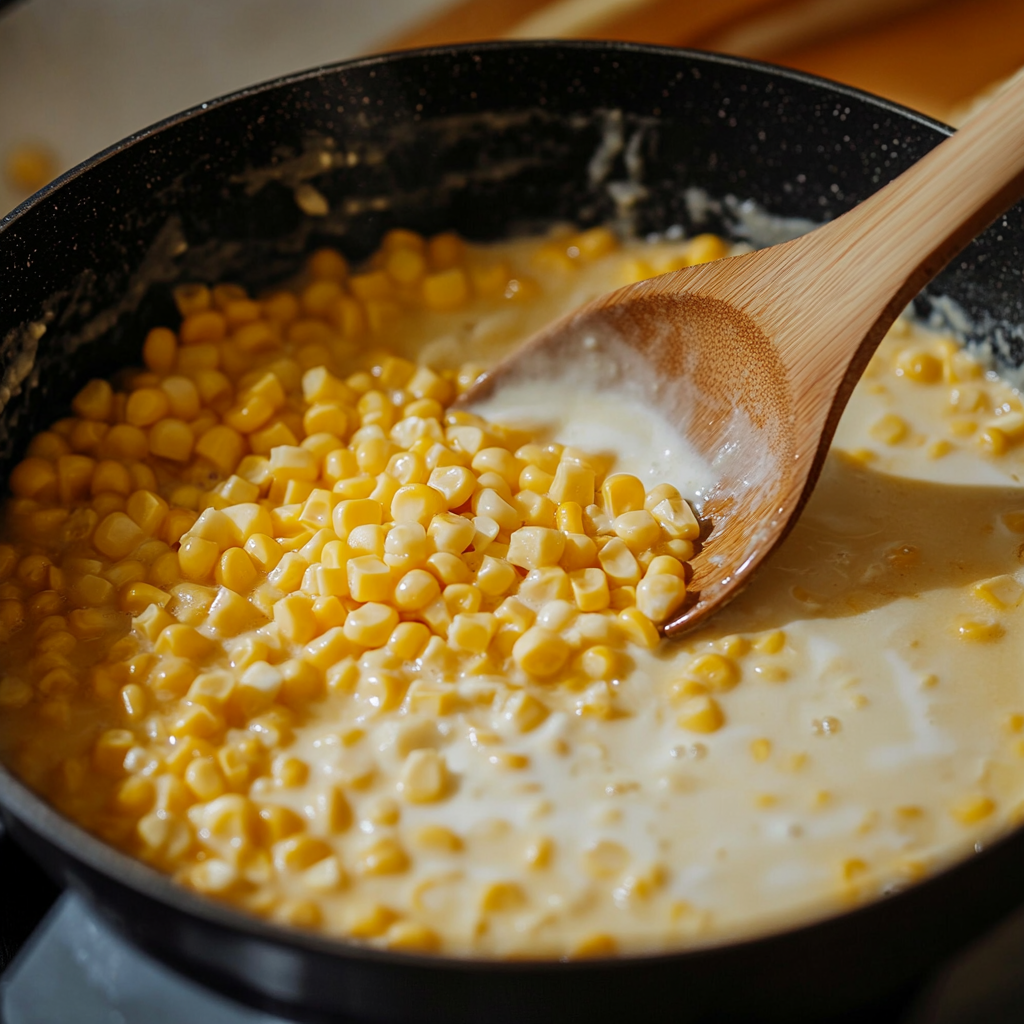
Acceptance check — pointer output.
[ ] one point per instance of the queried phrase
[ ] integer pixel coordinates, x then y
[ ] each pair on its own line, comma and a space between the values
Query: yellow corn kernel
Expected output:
34, 478
117, 536
1001, 592
204, 778
110, 749
919, 365
172, 439
416, 589
550, 583
535, 479
978, 632
501, 897
451, 533
638, 530
445, 250
417, 503
145, 406
660, 595
701, 714
95, 401
889, 429
424, 776
471, 632
972, 809
355, 512
448, 568
223, 446
495, 576
197, 557
293, 616
385, 856
572, 483
705, 248
590, 589
637, 628
622, 492
236, 571
371, 625
446, 289
760, 749
716, 672
676, 518
265, 552
182, 641
137, 597
524, 711
540, 652
408, 639
369, 579
110, 476
230, 614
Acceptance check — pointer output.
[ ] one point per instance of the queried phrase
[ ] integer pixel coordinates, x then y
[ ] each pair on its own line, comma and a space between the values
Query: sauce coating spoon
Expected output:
755, 356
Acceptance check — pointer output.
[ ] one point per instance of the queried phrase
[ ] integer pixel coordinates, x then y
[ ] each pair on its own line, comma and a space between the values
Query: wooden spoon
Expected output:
756, 356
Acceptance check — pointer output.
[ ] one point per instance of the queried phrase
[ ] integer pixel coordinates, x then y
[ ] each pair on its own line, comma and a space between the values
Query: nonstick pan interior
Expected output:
488, 141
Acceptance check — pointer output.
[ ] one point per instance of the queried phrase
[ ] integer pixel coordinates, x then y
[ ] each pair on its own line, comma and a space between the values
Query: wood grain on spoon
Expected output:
756, 355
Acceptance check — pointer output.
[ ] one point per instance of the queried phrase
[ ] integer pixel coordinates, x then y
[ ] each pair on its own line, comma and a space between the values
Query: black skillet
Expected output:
486, 140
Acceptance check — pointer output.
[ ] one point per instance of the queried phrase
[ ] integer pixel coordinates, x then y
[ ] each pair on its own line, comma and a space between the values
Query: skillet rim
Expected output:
76, 844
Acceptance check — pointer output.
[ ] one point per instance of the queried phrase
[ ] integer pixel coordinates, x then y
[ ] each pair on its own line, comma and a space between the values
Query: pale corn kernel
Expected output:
490, 504
619, 563
760, 749
1001, 592
367, 540
676, 518
549, 583
701, 713
972, 809
660, 595
502, 897
973, 631
495, 576
590, 589
532, 547
524, 711
385, 856
451, 533
716, 672
889, 429
424, 776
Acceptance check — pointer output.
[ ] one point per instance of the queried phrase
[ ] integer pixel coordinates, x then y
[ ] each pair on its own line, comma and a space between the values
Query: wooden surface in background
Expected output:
933, 55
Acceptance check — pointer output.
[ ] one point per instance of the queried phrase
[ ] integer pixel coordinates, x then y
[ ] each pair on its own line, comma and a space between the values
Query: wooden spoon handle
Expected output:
864, 267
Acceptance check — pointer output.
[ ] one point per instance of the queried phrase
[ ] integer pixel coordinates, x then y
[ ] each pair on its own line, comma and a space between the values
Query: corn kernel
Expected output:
371, 625
701, 714
972, 809
540, 652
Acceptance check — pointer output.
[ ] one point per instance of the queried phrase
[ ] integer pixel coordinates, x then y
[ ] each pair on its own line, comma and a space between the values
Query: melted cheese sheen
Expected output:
873, 734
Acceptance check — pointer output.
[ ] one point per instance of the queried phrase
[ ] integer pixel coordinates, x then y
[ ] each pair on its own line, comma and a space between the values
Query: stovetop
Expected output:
61, 964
